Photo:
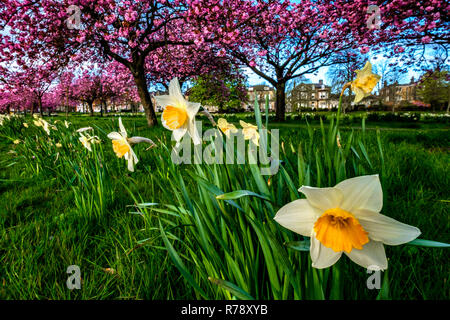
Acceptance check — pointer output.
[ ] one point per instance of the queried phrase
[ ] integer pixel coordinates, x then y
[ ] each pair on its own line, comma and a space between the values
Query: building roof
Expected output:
316, 85
261, 87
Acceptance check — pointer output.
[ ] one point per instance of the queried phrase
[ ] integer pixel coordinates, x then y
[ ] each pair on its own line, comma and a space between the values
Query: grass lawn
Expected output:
51, 218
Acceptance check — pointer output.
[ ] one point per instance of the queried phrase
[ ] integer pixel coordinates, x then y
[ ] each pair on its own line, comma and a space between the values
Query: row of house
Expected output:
319, 96
306, 95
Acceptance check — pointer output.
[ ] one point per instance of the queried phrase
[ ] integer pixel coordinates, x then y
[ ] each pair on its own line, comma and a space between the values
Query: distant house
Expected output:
260, 92
396, 93
310, 95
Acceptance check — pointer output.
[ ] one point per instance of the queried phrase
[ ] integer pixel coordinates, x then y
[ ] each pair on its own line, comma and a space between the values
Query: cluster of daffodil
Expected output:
4, 117
346, 218
39, 122
179, 114
249, 131
341, 219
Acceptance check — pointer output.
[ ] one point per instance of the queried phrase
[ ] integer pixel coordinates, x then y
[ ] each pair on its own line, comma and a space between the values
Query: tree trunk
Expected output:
448, 99
91, 109
40, 106
146, 101
101, 108
67, 103
280, 106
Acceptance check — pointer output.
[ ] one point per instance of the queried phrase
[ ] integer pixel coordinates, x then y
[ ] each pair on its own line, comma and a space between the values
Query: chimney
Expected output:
412, 80
320, 81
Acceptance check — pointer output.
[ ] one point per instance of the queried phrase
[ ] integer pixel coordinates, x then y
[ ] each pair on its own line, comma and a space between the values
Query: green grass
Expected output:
44, 229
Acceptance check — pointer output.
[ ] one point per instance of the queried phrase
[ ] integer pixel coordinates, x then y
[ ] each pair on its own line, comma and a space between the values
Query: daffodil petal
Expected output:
130, 164
194, 132
321, 256
164, 101
115, 136
359, 94
297, 216
362, 192
175, 90
322, 198
122, 128
132, 160
372, 254
178, 134
192, 109
243, 124
222, 123
385, 229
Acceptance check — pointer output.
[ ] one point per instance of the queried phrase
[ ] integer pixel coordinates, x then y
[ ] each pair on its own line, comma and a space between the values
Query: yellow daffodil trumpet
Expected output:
346, 219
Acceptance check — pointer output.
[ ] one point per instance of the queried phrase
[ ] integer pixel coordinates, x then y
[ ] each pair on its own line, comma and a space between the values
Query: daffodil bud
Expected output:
136, 140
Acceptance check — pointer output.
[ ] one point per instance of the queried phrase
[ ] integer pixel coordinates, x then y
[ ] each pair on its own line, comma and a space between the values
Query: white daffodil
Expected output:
225, 127
346, 218
122, 145
67, 123
250, 132
85, 141
179, 114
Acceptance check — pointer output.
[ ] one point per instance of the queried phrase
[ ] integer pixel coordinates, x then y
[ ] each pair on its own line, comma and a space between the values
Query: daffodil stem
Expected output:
347, 85
209, 116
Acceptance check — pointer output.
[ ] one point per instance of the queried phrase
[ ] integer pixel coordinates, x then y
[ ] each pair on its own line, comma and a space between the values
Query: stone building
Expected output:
260, 91
310, 95
396, 93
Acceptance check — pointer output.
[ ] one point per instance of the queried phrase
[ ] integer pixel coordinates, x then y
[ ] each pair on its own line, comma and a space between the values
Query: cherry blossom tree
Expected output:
125, 31
284, 40
279, 40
